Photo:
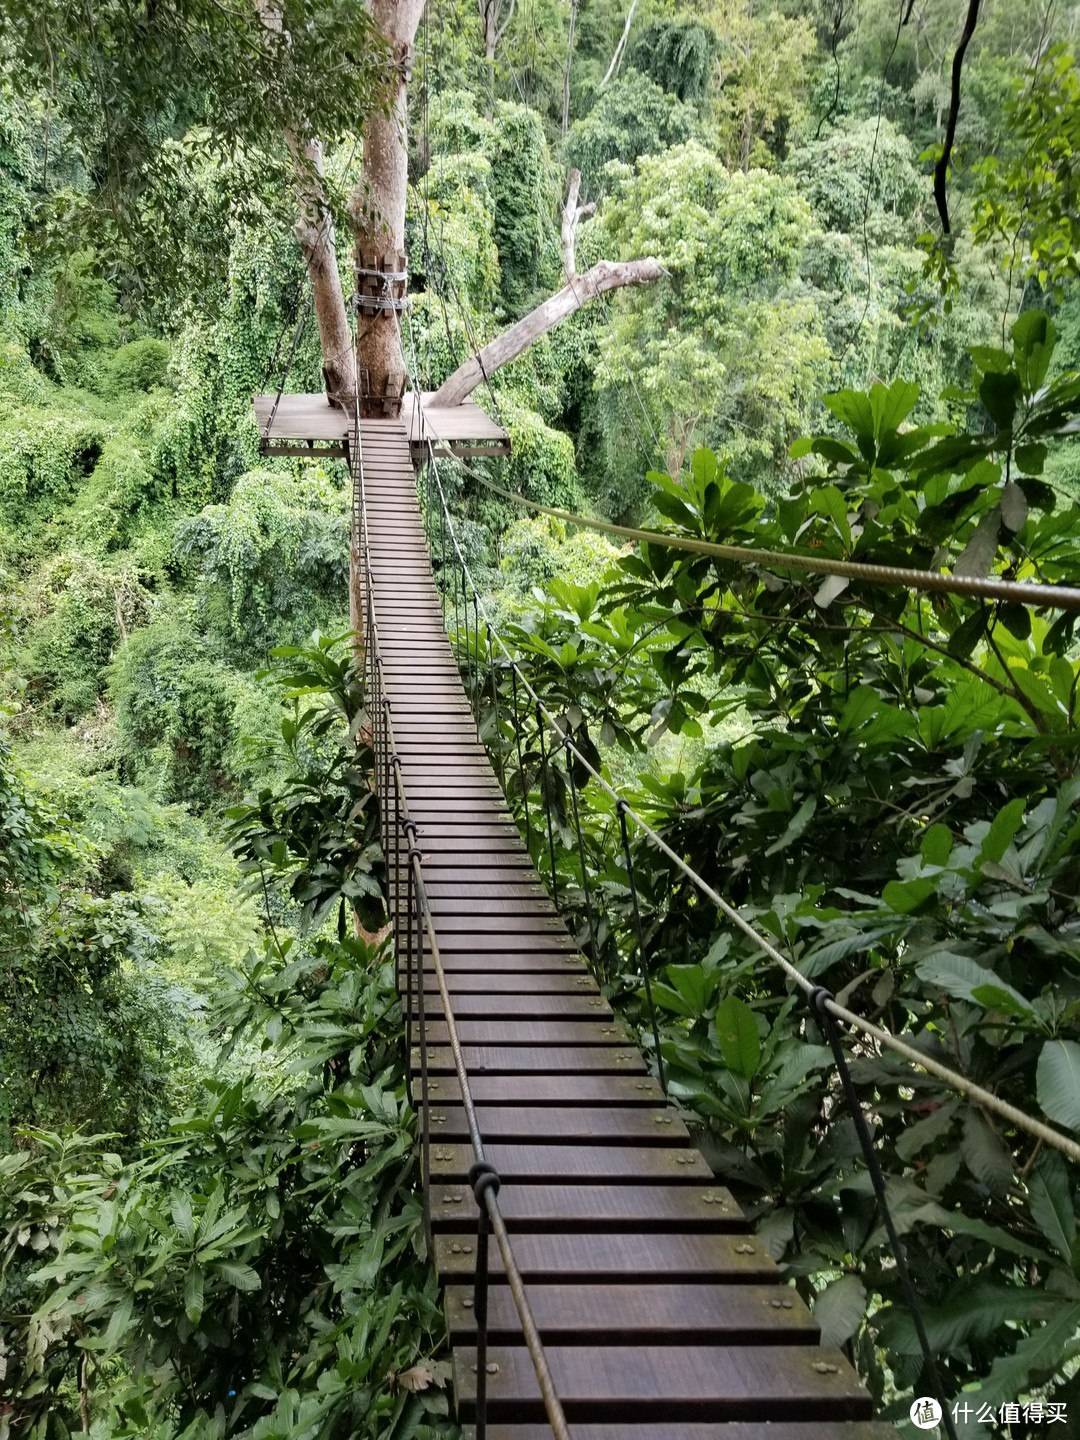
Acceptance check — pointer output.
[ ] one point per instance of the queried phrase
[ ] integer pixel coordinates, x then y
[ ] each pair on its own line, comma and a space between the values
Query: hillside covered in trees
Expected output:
860, 338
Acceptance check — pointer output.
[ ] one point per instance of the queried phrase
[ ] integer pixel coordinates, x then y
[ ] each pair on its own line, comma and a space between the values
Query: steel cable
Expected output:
1058, 597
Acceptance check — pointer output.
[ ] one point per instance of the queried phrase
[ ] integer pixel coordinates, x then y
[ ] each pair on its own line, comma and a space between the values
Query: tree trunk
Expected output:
315, 232
489, 17
605, 275
377, 209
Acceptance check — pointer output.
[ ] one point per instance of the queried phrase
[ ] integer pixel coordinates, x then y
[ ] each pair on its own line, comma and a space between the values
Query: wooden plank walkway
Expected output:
662, 1315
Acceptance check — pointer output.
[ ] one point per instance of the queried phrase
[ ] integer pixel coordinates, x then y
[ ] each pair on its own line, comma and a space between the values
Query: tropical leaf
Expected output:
737, 1032
839, 1309
1058, 1082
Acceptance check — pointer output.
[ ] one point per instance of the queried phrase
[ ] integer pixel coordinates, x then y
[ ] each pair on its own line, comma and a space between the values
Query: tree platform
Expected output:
310, 426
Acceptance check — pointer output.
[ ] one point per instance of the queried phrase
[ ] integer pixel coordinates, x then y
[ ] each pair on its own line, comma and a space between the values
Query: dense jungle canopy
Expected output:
862, 340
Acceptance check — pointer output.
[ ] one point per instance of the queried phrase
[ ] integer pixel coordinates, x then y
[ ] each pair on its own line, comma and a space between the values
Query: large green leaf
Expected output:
737, 1032
1038, 1355
999, 392
839, 1309
240, 1277
892, 406
985, 1155
1058, 1082
966, 979
193, 1294
1034, 339
1050, 1199
1002, 830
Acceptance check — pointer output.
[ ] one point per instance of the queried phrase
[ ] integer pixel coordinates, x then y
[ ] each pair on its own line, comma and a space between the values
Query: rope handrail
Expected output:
956, 1081
483, 1177
1058, 597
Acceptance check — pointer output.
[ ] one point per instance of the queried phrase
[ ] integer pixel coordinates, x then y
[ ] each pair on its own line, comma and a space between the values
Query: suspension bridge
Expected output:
597, 1280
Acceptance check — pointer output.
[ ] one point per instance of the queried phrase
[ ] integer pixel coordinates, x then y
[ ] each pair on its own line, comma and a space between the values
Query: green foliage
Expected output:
899, 816
864, 170
153, 98
534, 550
43, 459
541, 459
182, 714
721, 346
1027, 202
140, 365
678, 55
314, 834
273, 558
82, 1026
635, 116
76, 613
525, 202
262, 1270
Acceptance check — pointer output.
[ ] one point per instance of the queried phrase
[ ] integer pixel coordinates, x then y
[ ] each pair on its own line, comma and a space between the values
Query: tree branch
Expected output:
616, 59
572, 213
942, 167
605, 275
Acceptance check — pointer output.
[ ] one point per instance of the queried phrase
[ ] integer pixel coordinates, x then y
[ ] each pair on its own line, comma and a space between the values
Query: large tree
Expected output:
377, 212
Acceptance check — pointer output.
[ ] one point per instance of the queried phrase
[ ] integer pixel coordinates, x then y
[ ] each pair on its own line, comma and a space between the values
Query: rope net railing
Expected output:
823, 1001
411, 913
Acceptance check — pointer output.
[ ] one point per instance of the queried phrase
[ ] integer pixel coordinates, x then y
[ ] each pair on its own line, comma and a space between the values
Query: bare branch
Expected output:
616, 59
572, 213
605, 275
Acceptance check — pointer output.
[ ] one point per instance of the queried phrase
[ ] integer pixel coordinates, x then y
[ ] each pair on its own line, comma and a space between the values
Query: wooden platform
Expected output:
663, 1316
453, 429
301, 425
309, 425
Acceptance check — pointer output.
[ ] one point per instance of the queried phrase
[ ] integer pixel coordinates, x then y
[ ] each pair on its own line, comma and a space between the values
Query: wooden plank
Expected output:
489, 890
469, 943
690, 1382
456, 962
511, 984
536, 916
552, 1090
697, 1430
689, 1260
667, 1312
533, 1033
569, 1164
613, 1209
513, 1060
474, 1006
448, 423
300, 417
516, 927
584, 1124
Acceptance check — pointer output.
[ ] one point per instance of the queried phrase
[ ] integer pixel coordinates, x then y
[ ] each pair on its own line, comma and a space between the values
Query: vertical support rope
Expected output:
819, 998
581, 858
497, 732
521, 758
476, 678
421, 1006
643, 958
545, 790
